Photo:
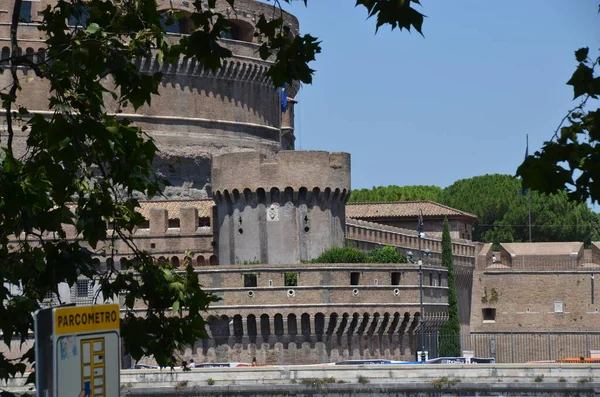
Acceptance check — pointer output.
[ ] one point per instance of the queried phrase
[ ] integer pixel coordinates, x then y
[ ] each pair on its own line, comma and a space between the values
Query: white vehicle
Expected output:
461, 360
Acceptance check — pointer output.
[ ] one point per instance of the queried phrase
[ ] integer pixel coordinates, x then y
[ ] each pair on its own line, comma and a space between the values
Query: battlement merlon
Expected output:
287, 169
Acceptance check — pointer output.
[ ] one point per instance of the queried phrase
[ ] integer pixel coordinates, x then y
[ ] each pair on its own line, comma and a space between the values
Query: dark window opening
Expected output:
238, 30
170, 24
290, 279
430, 279
232, 32
204, 221
489, 314
145, 224
5, 55
174, 223
439, 279
250, 281
396, 278
25, 15
354, 278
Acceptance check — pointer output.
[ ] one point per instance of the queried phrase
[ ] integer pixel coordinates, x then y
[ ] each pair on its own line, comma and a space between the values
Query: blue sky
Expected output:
455, 104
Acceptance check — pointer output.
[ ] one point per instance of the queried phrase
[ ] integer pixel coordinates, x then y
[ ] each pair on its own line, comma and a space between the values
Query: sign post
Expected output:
77, 351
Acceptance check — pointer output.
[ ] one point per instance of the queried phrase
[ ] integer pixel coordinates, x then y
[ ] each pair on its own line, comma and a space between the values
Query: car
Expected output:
460, 360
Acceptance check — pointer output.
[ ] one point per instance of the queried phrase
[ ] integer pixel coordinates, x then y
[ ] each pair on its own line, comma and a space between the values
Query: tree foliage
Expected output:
570, 160
83, 164
450, 331
501, 209
385, 254
503, 212
396, 193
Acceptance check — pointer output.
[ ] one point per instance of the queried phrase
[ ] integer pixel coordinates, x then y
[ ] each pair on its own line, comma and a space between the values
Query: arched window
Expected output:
239, 30
171, 24
5, 56
29, 53
41, 56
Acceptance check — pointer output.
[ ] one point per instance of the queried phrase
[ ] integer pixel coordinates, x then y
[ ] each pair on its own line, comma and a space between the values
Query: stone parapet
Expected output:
464, 251
287, 170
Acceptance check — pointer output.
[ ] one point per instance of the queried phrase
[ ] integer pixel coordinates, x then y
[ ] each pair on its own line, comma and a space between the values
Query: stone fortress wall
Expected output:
281, 209
198, 113
328, 312
334, 311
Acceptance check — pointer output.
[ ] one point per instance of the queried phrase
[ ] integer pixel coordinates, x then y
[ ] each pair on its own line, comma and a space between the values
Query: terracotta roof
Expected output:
402, 209
556, 248
173, 207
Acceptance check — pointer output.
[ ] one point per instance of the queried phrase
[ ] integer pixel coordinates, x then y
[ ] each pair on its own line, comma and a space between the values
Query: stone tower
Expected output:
279, 209
198, 113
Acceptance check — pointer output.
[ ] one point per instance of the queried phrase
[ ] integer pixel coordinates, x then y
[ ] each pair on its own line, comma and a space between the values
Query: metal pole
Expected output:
420, 261
422, 312
528, 193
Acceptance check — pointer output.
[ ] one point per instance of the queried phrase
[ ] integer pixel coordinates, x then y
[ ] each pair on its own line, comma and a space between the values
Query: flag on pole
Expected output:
420, 225
283, 98
524, 191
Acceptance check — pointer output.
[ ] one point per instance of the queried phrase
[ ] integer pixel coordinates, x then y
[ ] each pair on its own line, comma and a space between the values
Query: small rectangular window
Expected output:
174, 223
396, 278
82, 288
558, 307
489, 314
25, 15
439, 279
354, 278
290, 279
203, 221
431, 279
250, 280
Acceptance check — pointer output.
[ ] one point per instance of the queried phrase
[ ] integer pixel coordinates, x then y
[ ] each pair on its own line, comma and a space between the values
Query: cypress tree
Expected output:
449, 332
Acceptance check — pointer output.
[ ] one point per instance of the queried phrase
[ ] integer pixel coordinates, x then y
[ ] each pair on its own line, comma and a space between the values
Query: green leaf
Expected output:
92, 28
582, 81
582, 54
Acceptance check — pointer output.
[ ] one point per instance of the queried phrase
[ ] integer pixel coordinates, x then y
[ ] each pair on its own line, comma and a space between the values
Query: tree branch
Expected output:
14, 25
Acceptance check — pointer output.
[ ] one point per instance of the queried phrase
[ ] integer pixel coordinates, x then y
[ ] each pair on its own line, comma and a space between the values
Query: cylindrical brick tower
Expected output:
198, 113
279, 209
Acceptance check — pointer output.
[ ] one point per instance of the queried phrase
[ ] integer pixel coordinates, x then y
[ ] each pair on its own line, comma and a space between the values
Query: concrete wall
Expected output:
384, 380
281, 209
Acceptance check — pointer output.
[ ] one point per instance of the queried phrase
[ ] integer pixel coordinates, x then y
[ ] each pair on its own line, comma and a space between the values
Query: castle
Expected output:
253, 210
